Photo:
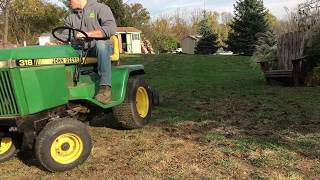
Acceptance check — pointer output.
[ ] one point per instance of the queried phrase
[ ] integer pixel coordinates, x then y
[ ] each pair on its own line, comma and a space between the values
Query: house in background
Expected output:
129, 40
189, 43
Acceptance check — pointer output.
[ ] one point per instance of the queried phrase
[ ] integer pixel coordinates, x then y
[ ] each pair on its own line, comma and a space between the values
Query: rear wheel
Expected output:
7, 149
135, 111
62, 145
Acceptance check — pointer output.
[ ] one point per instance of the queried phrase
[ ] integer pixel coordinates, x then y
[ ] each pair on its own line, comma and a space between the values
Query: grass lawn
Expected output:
217, 119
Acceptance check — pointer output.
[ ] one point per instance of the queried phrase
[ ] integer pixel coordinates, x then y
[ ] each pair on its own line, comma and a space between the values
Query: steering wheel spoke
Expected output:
71, 32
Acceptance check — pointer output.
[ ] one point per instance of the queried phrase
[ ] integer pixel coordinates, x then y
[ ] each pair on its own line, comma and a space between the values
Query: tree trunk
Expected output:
6, 26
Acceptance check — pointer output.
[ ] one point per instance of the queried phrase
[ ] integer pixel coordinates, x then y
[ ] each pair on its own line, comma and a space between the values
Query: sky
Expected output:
163, 7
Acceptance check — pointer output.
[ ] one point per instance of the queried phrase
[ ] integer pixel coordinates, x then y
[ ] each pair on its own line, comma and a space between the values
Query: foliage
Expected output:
208, 42
207, 45
169, 43
161, 36
181, 29
273, 22
137, 15
29, 18
250, 19
308, 14
266, 48
204, 26
179, 26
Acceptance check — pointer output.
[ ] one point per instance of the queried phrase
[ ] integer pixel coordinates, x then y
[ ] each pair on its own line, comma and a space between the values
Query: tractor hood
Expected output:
37, 52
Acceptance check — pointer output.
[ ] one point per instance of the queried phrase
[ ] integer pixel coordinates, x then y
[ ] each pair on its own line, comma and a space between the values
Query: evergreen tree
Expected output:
208, 42
250, 18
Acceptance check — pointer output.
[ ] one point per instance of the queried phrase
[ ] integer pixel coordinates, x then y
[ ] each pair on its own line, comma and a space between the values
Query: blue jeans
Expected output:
103, 50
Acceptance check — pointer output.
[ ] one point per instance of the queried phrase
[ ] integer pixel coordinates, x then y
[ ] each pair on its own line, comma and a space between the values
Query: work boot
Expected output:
104, 95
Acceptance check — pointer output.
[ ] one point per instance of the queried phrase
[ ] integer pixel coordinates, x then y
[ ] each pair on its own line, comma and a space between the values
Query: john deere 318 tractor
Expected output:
44, 90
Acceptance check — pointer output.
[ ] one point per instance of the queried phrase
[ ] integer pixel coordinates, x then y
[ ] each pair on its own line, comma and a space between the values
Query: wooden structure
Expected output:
129, 40
189, 43
289, 59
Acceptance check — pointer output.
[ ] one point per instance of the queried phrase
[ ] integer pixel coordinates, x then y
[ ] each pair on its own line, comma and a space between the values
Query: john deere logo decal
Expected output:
92, 15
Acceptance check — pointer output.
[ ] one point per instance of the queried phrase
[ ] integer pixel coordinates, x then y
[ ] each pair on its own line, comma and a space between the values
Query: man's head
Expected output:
77, 4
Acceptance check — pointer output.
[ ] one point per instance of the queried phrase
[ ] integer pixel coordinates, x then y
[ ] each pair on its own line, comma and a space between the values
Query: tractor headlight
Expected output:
3, 64
7, 64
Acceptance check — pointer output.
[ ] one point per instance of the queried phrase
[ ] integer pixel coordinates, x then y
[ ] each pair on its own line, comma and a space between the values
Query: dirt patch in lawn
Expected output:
238, 142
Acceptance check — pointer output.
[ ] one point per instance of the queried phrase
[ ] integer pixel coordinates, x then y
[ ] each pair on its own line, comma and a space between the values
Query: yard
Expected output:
217, 119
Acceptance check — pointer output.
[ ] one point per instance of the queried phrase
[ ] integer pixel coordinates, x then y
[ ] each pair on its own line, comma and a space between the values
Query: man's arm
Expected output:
107, 21
92, 34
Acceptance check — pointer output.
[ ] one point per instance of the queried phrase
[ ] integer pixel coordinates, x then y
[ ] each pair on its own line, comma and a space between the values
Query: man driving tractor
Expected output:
97, 21
48, 92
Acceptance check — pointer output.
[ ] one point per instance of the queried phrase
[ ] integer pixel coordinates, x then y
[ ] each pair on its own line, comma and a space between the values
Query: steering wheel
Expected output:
71, 31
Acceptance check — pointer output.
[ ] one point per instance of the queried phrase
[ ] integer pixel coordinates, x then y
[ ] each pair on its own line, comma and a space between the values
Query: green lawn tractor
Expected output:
46, 95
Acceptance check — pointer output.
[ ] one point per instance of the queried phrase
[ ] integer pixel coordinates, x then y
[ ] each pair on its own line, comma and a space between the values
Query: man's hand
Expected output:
54, 43
80, 35
51, 44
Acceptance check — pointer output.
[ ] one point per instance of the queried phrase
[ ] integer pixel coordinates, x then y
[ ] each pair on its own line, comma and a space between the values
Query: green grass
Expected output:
217, 120
230, 92
189, 85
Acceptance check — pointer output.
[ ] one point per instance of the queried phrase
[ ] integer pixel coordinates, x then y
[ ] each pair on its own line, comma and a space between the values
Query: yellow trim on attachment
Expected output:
142, 102
5, 145
66, 148
116, 52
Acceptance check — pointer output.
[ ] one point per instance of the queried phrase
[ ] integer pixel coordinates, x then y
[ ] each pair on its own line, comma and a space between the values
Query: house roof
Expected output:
128, 29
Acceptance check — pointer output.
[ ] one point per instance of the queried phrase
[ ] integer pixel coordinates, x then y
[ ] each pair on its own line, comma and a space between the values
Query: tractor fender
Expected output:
139, 70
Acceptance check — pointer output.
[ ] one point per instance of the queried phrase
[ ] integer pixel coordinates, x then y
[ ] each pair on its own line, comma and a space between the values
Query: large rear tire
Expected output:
135, 111
7, 149
62, 145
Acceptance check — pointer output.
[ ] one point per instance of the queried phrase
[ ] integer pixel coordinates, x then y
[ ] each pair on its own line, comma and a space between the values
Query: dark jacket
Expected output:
94, 16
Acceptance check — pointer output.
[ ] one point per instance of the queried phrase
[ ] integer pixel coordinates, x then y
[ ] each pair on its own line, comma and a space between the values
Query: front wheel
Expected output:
7, 149
62, 145
135, 111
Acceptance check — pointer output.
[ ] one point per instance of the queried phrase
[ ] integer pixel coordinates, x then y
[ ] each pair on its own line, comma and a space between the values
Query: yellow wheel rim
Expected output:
66, 148
5, 146
142, 102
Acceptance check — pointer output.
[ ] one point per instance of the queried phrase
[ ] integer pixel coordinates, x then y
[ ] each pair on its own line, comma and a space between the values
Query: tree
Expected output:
179, 26
137, 15
29, 18
208, 43
272, 21
4, 7
161, 36
266, 48
249, 19
196, 17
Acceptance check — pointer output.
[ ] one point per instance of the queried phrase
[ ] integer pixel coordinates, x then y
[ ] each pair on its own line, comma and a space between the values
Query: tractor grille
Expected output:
8, 104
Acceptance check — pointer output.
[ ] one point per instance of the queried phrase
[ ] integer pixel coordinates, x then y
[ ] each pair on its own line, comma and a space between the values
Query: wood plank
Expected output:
290, 46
